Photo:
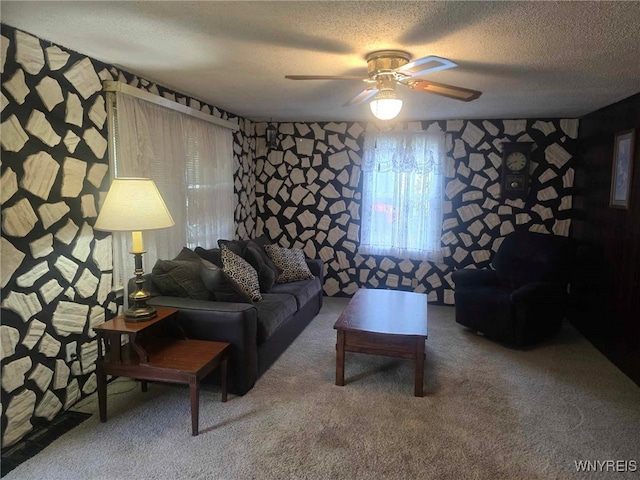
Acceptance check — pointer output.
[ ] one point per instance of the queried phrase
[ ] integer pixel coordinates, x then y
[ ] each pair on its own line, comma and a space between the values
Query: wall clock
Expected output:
516, 158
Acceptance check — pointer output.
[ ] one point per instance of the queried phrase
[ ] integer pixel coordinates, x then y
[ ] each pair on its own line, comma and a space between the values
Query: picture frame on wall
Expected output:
623, 151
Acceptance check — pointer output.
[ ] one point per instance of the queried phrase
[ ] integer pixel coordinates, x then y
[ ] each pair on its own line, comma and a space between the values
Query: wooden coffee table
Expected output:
384, 322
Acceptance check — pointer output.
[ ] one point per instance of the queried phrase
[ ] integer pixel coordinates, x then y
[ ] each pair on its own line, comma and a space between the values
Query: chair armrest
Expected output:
471, 277
539, 291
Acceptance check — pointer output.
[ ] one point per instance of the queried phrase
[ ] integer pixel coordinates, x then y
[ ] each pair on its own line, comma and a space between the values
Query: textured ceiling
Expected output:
531, 59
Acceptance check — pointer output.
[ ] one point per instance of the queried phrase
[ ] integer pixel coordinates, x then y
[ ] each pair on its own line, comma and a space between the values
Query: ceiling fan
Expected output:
388, 68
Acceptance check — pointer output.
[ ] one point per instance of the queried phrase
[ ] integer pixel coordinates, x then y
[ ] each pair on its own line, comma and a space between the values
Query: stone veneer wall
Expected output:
244, 148
56, 270
309, 196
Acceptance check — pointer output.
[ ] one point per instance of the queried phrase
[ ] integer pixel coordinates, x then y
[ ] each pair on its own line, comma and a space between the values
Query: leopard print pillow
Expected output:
241, 275
291, 263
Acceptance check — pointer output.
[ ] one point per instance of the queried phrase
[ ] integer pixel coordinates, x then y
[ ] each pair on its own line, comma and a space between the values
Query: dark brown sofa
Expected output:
258, 332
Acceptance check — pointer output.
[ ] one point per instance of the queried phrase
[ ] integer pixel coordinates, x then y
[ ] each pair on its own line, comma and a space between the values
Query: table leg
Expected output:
102, 393
419, 382
223, 377
340, 359
194, 390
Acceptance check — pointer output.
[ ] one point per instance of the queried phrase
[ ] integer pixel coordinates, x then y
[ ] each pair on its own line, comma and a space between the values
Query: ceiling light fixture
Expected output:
386, 108
386, 105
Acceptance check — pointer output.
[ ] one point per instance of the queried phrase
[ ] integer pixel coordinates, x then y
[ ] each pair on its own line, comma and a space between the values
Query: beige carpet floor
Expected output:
489, 412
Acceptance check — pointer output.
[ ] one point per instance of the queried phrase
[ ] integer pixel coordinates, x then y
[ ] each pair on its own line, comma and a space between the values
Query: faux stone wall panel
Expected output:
33, 215
244, 170
56, 269
302, 192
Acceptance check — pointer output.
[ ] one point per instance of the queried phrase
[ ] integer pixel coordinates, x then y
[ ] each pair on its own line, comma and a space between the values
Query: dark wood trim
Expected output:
605, 291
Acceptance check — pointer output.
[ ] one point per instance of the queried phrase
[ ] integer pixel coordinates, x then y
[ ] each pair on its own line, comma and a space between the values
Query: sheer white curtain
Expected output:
402, 198
191, 162
209, 178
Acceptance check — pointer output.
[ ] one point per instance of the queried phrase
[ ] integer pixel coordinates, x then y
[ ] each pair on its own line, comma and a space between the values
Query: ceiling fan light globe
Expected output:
385, 108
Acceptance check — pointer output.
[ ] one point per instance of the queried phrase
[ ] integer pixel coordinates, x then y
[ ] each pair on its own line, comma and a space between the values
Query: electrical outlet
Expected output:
71, 351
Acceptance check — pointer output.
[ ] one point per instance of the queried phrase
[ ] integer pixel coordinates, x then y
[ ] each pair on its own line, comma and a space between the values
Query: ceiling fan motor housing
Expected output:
386, 85
385, 61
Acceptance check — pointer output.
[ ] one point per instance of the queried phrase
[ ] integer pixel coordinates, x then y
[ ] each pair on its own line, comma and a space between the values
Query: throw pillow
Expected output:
215, 280
262, 241
241, 275
263, 255
236, 246
180, 277
267, 270
212, 255
291, 262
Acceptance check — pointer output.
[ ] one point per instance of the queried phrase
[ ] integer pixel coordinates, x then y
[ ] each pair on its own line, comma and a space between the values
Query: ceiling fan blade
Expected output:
458, 93
425, 65
323, 77
363, 96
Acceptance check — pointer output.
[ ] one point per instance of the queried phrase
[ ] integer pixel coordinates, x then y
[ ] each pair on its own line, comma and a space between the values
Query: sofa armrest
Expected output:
316, 265
471, 277
234, 323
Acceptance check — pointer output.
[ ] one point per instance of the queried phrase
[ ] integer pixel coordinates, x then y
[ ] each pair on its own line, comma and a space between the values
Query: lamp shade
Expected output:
386, 108
133, 204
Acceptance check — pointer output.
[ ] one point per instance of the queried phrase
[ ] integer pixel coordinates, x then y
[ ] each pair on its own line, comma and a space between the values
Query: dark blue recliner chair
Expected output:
522, 299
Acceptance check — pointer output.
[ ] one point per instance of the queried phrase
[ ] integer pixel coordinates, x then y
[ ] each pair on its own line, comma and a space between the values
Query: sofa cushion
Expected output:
253, 252
236, 246
291, 263
211, 255
241, 275
523, 271
267, 270
262, 241
180, 277
216, 281
273, 311
527, 257
302, 290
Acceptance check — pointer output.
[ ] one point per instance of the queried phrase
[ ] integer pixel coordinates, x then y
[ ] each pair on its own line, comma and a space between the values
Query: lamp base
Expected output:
140, 313
138, 310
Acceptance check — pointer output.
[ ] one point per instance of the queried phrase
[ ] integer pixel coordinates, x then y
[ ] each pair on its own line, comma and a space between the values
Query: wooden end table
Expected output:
384, 322
149, 355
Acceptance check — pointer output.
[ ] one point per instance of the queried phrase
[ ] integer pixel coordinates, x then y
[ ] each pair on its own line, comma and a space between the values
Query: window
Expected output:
191, 162
403, 181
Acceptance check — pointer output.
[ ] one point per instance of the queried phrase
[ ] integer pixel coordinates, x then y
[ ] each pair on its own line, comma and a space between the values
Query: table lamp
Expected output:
134, 205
